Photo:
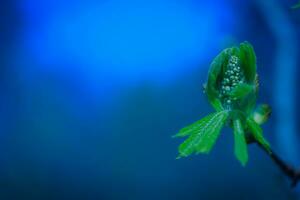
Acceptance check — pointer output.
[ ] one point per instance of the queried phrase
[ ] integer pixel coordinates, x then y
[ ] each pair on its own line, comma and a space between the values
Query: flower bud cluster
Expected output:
233, 76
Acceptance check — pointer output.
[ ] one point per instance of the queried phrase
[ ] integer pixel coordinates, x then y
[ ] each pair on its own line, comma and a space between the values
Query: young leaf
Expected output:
241, 90
203, 139
240, 145
258, 134
247, 55
208, 141
195, 127
215, 74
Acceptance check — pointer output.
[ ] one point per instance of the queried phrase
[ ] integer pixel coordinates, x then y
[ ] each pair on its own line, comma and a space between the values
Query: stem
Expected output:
288, 170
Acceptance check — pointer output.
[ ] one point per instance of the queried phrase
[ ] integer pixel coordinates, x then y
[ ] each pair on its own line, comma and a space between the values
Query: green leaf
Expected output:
248, 103
240, 145
215, 74
195, 127
241, 90
258, 134
220, 69
203, 138
248, 58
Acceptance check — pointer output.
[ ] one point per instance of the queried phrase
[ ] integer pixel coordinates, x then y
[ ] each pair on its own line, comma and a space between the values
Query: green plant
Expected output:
231, 88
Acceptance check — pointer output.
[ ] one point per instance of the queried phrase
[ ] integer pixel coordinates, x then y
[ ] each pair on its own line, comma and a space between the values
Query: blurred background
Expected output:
92, 91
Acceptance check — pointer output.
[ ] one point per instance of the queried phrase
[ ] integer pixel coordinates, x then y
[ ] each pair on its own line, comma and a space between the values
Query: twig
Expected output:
288, 170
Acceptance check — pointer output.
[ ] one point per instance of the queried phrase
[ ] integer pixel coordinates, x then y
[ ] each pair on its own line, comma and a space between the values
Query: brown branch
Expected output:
288, 170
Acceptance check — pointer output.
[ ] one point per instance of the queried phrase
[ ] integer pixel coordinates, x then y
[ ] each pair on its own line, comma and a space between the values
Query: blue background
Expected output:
92, 91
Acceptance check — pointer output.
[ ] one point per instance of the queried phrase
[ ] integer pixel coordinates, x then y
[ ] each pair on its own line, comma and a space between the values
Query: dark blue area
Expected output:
92, 91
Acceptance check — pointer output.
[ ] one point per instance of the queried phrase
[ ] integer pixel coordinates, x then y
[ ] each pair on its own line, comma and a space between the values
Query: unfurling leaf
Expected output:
257, 133
240, 145
232, 78
202, 137
195, 127
248, 60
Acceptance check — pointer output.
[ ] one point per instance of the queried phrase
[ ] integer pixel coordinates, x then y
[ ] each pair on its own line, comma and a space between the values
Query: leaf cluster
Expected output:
235, 108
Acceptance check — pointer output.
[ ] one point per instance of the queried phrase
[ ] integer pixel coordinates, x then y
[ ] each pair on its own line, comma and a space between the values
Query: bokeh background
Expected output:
92, 91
